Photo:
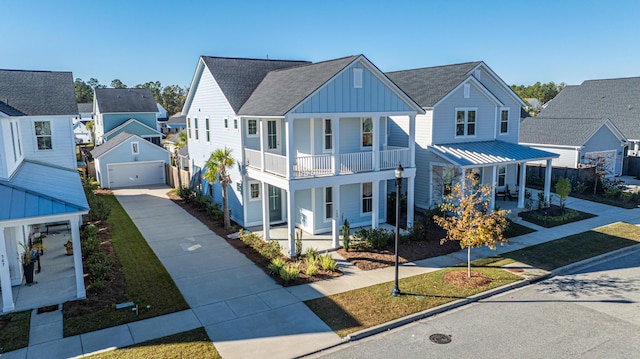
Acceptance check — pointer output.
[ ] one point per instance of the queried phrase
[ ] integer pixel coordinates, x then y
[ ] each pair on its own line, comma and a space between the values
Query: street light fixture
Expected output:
399, 172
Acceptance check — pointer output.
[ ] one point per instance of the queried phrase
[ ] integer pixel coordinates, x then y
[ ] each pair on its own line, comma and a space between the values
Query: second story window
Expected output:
43, 135
465, 122
195, 125
206, 125
226, 122
367, 132
504, 121
252, 127
189, 127
235, 123
328, 135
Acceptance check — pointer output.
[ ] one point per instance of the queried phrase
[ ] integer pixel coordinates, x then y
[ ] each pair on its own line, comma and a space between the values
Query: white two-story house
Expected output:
471, 124
310, 140
39, 181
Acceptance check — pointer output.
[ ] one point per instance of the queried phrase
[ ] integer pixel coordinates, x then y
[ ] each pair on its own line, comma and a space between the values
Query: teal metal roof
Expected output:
486, 153
38, 189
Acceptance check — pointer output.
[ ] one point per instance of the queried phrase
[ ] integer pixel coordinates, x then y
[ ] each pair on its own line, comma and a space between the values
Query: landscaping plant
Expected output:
563, 188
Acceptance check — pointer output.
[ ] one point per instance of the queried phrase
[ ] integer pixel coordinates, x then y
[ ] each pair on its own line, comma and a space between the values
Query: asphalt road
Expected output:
592, 313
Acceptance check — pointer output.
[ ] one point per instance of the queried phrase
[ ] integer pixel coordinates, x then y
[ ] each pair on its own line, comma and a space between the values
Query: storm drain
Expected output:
440, 338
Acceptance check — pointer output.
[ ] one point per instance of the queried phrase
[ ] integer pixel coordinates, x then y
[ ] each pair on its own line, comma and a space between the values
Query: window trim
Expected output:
188, 127
508, 111
325, 135
207, 129
325, 203
259, 197
362, 133
195, 122
226, 123
358, 78
135, 148
235, 123
503, 175
363, 198
50, 135
257, 133
466, 111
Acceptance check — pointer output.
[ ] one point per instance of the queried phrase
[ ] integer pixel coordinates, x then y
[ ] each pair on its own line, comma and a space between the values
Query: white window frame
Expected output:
467, 90
207, 128
466, 123
507, 110
50, 135
195, 123
189, 127
226, 122
13, 142
358, 78
257, 128
235, 123
327, 216
363, 199
259, 190
135, 148
501, 173
362, 133
326, 134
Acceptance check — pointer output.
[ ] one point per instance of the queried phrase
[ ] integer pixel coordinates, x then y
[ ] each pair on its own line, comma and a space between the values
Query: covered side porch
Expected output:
498, 163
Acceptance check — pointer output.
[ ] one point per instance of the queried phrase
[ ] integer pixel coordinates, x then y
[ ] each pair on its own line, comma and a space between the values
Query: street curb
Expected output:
593, 260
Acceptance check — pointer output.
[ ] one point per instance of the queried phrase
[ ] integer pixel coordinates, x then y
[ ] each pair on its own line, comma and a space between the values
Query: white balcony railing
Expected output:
275, 164
356, 162
390, 158
310, 166
253, 158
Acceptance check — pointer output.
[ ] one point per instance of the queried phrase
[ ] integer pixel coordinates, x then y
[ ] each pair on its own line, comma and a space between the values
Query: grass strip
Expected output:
571, 215
147, 281
191, 344
516, 229
355, 310
15, 333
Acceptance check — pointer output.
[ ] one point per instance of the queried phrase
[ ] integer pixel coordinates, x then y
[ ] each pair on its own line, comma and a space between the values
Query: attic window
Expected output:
467, 90
357, 78
478, 74
134, 148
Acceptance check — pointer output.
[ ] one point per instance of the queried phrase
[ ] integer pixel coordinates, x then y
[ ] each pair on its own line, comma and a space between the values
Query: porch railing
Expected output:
356, 162
313, 165
253, 158
391, 158
275, 164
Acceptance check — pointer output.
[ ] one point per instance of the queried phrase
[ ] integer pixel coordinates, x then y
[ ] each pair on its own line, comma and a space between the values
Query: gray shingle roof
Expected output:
429, 85
282, 90
111, 143
615, 99
177, 119
559, 131
125, 100
85, 107
238, 78
37, 93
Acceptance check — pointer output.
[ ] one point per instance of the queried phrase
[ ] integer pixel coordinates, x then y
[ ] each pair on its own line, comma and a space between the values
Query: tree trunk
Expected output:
469, 262
225, 206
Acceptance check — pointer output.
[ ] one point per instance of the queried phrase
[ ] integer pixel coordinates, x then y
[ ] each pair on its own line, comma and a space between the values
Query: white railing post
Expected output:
335, 154
263, 133
375, 155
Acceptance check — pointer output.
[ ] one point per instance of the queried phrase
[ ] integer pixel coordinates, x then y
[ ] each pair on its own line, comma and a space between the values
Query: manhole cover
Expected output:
440, 338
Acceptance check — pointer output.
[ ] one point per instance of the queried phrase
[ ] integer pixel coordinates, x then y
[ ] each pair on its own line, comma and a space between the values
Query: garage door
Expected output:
135, 174
606, 159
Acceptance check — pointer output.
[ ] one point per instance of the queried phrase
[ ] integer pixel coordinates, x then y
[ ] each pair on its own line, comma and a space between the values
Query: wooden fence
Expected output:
631, 166
171, 175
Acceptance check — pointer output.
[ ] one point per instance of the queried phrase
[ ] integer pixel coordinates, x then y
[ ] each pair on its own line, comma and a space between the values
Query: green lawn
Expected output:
515, 229
147, 281
192, 344
363, 308
15, 334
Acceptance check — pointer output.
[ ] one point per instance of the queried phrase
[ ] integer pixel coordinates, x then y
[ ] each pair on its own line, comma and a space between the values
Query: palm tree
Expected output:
217, 168
90, 127
182, 141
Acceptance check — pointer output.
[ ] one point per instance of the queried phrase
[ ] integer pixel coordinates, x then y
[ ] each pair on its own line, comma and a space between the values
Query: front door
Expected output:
275, 204
273, 136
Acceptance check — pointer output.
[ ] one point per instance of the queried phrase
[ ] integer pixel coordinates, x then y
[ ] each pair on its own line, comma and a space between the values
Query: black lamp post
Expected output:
399, 172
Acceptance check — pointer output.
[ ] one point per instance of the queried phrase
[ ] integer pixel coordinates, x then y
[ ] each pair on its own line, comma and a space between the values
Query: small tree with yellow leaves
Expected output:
468, 218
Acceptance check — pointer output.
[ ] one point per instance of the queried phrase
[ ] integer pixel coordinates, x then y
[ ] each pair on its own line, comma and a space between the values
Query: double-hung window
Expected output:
328, 202
328, 135
43, 135
235, 123
367, 132
465, 122
226, 122
254, 191
195, 123
252, 127
206, 125
367, 197
504, 121
502, 175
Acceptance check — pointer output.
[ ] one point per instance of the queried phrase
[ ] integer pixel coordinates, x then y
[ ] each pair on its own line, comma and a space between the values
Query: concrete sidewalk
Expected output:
244, 311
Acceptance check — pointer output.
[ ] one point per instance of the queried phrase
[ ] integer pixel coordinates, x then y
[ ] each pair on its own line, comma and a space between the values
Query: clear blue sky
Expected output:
138, 41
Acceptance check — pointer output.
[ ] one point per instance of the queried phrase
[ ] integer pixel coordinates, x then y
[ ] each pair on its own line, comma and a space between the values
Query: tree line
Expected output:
543, 92
171, 97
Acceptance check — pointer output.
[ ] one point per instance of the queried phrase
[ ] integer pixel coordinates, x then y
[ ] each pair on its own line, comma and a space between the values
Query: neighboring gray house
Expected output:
471, 124
578, 141
129, 160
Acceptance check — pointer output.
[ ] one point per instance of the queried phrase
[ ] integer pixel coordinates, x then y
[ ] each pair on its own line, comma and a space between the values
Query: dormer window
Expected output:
43, 135
465, 122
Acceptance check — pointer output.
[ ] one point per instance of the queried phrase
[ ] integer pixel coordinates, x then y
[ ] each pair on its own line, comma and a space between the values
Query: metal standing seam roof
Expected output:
37, 189
485, 153
37, 93
128, 100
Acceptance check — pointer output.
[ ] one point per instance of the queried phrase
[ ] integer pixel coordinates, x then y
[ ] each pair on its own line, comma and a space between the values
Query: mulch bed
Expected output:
460, 278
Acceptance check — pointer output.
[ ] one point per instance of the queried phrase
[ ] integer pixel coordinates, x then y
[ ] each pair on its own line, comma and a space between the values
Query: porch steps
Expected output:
45, 327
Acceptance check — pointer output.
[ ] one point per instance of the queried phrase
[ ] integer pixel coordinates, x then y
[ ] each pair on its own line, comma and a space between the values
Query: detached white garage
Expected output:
128, 160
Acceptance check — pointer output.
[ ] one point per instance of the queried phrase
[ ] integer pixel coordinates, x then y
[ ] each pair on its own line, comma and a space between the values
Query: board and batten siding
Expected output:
339, 95
63, 153
209, 102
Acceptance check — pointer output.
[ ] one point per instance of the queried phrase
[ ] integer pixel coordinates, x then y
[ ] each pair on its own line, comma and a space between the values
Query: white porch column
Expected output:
335, 130
412, 141
290, 153
375, 204
547, 181
265, 212
494, 176
335, 222
263, 134
410, 205
521, 189
77, 258
375, 144
5, 276
291, 222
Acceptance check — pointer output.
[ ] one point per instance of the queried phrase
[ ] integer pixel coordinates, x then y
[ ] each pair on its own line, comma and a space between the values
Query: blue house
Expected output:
311, 140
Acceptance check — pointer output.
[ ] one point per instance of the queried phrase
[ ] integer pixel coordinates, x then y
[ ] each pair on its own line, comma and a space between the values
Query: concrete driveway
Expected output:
246, 313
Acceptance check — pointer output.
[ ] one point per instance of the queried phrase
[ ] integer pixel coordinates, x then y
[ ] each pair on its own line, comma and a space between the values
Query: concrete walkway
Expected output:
244, 311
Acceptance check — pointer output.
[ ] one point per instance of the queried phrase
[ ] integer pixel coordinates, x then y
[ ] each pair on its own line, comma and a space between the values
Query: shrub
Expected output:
298, 242
627, 196
346, 240
99, 266
327, 262
250, 239
201, 201
581, 187
611, 192
186, 193
98, 285
99, 210
270, 250
89, 246
312, 268
541, 202
528, 200
311, 253
563, 188
214, 210
290, 271
375, 238
431, 212
89, 231
276, 265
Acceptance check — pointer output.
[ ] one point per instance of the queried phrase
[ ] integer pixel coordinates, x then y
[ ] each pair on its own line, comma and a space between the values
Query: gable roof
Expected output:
238, 77
429, 85
177, 119
117, 140
615, 99
564, 132
128, 123
85, 107
37, 93
282, 90
129, 100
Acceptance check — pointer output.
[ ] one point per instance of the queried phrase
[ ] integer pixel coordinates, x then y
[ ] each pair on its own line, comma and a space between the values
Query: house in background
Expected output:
161, 119
85, 111
118, 114
39, 183
578, 141
176, 123
81, 132
471, 124
310, 140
